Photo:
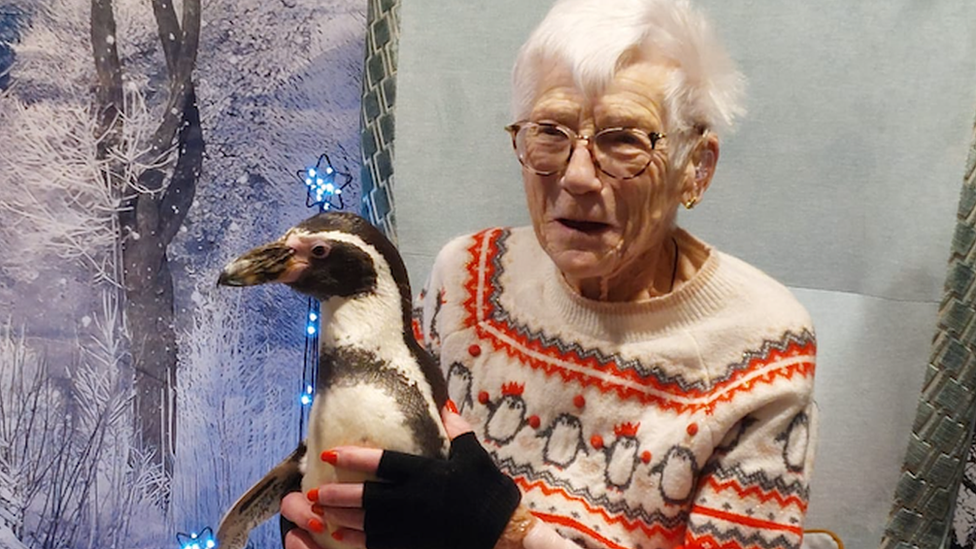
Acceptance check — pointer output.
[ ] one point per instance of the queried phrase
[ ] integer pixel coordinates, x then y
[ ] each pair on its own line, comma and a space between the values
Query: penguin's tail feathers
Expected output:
262, 501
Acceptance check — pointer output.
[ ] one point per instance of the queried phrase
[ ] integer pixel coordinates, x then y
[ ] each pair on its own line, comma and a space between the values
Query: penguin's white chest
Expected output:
359, 415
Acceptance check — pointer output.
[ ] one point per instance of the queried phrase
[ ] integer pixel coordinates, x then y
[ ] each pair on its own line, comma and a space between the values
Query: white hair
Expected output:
596, 38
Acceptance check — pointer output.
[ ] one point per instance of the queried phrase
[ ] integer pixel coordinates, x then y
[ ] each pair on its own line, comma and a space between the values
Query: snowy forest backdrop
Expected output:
142, 145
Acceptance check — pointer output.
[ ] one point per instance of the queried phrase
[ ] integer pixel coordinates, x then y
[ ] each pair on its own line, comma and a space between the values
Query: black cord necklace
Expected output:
674, 268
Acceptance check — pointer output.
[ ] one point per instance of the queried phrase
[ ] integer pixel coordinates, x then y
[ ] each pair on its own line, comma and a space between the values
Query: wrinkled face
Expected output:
598, 230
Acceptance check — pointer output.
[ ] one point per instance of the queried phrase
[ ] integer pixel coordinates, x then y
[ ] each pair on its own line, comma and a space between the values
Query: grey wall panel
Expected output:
870, 358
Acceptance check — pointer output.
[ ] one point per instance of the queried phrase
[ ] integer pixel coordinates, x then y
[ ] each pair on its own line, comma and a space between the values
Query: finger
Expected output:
298, 509
345, 517
355, 538
353, 458
453, 422
340, 495
299, 539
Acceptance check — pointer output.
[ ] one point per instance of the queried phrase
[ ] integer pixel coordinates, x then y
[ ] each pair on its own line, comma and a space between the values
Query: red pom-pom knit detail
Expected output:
646, 456
534, 422
483, 397
596, 441
692, 429
474, 350
579, 401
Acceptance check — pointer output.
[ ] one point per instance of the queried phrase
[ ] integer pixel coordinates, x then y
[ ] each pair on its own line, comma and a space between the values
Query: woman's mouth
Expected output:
588, 227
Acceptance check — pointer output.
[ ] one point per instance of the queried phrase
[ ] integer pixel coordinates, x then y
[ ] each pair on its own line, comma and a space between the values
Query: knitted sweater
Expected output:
683, 419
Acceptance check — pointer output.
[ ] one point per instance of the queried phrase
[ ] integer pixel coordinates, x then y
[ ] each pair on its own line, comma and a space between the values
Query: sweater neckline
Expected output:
700, 296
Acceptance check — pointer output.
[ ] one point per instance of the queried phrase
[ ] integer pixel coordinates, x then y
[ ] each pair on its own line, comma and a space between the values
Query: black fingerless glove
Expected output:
464, 502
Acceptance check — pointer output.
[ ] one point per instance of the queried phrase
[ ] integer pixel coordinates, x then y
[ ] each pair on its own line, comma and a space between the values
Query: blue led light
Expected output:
305, 400
311, 330
322, 185
203, 540
313, 317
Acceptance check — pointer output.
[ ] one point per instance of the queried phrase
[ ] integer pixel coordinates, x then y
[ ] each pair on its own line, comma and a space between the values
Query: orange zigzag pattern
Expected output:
489, 238
803, 369
709, 542
750, 522
631, 525
763, 496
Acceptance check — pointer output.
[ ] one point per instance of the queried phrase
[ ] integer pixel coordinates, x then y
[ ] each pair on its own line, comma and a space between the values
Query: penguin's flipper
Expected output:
262, 501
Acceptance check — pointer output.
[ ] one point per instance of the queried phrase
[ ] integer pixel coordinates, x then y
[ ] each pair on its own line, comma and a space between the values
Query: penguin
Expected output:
506, 417
459, 386
376, 386
564, 441
622, 456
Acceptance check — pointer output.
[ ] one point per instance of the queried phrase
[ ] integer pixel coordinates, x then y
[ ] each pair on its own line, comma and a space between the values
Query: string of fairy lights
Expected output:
324, 187
325, 193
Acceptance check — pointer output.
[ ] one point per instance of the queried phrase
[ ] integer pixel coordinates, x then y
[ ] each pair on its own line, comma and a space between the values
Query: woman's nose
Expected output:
581, 175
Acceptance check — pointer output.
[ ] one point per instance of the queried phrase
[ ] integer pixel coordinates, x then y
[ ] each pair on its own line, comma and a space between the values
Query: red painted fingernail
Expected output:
330, 457
313, 495
316, 525
318, 509
337, 535
451, 407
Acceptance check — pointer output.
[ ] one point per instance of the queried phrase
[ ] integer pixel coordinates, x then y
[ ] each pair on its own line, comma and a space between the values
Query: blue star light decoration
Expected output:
203, 540
323, 189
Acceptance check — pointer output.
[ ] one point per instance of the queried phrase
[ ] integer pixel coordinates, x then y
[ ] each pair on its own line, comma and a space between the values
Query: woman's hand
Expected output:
296, 508
464, 501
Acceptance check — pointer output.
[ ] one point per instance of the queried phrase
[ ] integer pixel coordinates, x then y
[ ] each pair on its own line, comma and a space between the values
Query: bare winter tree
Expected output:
963, 534
69, 474
153, 206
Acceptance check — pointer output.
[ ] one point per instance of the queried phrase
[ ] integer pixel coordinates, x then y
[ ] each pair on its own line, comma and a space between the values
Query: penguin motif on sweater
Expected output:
375, 387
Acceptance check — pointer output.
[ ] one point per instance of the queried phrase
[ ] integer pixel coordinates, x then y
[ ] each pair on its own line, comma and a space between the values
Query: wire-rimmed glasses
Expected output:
546, 147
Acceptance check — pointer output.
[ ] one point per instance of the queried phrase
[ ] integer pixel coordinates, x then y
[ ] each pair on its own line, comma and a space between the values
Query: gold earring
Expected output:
691, 202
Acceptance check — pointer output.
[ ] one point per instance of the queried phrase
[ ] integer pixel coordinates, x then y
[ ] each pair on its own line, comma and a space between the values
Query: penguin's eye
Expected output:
320, 250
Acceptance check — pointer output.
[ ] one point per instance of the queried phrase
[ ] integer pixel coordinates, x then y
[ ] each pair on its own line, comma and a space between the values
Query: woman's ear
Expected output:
703, 161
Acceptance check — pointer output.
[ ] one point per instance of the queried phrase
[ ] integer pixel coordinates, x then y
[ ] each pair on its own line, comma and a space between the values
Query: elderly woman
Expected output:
638, 387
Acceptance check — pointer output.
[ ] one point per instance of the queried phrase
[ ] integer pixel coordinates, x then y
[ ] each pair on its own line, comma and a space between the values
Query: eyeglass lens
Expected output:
546, 149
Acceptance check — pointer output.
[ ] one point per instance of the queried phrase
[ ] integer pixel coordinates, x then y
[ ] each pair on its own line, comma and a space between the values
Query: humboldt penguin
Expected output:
376, 386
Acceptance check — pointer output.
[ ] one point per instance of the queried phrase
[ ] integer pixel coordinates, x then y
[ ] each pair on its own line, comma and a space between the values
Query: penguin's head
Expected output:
333, 254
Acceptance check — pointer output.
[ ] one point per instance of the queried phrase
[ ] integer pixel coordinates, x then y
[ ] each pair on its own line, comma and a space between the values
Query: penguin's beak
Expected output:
275, 262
